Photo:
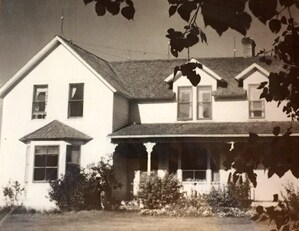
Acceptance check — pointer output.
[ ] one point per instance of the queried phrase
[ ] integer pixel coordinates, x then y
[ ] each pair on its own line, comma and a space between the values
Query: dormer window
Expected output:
256, 105
40, 95
185, 103
204, 102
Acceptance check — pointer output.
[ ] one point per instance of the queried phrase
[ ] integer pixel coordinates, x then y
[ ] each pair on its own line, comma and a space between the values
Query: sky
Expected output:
28, 25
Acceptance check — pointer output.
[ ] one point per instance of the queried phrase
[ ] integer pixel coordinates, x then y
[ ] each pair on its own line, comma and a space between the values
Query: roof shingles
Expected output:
203, 129
56, 131
144, 79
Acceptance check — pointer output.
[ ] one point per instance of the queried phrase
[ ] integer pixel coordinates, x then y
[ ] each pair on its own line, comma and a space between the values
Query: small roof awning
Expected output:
56, 131
208, 129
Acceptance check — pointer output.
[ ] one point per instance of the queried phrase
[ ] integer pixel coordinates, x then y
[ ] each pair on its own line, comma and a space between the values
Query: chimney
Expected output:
248, 47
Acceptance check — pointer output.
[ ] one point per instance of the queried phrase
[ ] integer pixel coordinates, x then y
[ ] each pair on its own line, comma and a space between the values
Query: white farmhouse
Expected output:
68, 106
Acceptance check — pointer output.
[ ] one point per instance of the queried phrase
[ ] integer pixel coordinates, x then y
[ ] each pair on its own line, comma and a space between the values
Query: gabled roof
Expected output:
99, 67
144, 79
226, 129
56, 131
249, 69
204, 69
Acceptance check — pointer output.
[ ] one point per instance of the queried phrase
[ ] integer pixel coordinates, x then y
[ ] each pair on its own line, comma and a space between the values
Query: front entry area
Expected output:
197, 165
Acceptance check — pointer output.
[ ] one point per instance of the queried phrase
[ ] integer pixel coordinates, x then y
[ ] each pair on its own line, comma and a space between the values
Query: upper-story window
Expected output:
40, 95
204, 102
46, 163
76, 96
256, 105
185, 103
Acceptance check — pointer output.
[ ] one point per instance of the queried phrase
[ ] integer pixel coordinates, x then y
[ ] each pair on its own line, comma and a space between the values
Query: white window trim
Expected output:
197, 103
191, 103
35, 89
70, 100
249, 103
61, 159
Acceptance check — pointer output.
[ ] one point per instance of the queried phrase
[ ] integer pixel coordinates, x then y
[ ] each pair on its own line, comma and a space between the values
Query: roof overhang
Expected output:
54, 43
203, 130
172, 78
190, 136
253, 67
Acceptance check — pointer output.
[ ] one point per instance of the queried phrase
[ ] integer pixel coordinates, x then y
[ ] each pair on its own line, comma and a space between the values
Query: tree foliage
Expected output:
88, 188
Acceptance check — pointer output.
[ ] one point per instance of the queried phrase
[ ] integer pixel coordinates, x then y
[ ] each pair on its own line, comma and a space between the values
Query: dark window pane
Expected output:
39, 174
39, 102
39, 107
76, 92
46, 156
51, 174
187, 175
200, 175
40, 161
76, 108
52, 160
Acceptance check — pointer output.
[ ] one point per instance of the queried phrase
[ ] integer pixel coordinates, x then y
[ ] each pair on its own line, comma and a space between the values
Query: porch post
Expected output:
180, 171
149, 148
209, 172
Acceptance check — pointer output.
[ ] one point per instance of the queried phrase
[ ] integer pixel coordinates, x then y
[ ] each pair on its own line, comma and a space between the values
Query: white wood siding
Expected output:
120, 112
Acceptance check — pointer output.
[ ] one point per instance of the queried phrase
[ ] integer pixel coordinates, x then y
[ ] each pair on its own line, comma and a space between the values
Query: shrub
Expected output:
88, 188
233, 195
12, 193
156, 192
291, 199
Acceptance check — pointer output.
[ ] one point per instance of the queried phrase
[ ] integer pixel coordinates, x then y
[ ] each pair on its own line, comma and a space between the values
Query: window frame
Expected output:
202, 103
76, 100
34, 101
45, 167
250, 101
190, 103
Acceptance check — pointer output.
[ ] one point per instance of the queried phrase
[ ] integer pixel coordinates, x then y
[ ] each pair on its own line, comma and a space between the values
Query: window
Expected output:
76, 94
40, 94
204, 102
73, 157
45, 163
256, 105
194, 164
185, 103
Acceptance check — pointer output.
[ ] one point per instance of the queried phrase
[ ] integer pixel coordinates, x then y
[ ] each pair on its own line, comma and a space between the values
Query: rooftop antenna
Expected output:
235, 50
61, 25
129, 57
168, 50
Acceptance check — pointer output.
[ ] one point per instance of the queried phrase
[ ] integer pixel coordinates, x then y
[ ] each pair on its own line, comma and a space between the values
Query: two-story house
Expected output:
68, 106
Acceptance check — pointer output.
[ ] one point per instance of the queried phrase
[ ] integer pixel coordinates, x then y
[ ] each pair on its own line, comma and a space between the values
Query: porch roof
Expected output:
56, 131
208, 129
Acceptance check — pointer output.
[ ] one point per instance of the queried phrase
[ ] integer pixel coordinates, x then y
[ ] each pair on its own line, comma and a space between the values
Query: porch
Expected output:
196, 164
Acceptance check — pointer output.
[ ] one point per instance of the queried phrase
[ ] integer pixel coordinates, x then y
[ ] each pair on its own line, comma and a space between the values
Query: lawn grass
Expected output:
100, 220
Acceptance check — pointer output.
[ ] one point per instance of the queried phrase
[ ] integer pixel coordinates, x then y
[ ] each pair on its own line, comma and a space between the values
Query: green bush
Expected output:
88, 188
156, 192
291, 198
232, 195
